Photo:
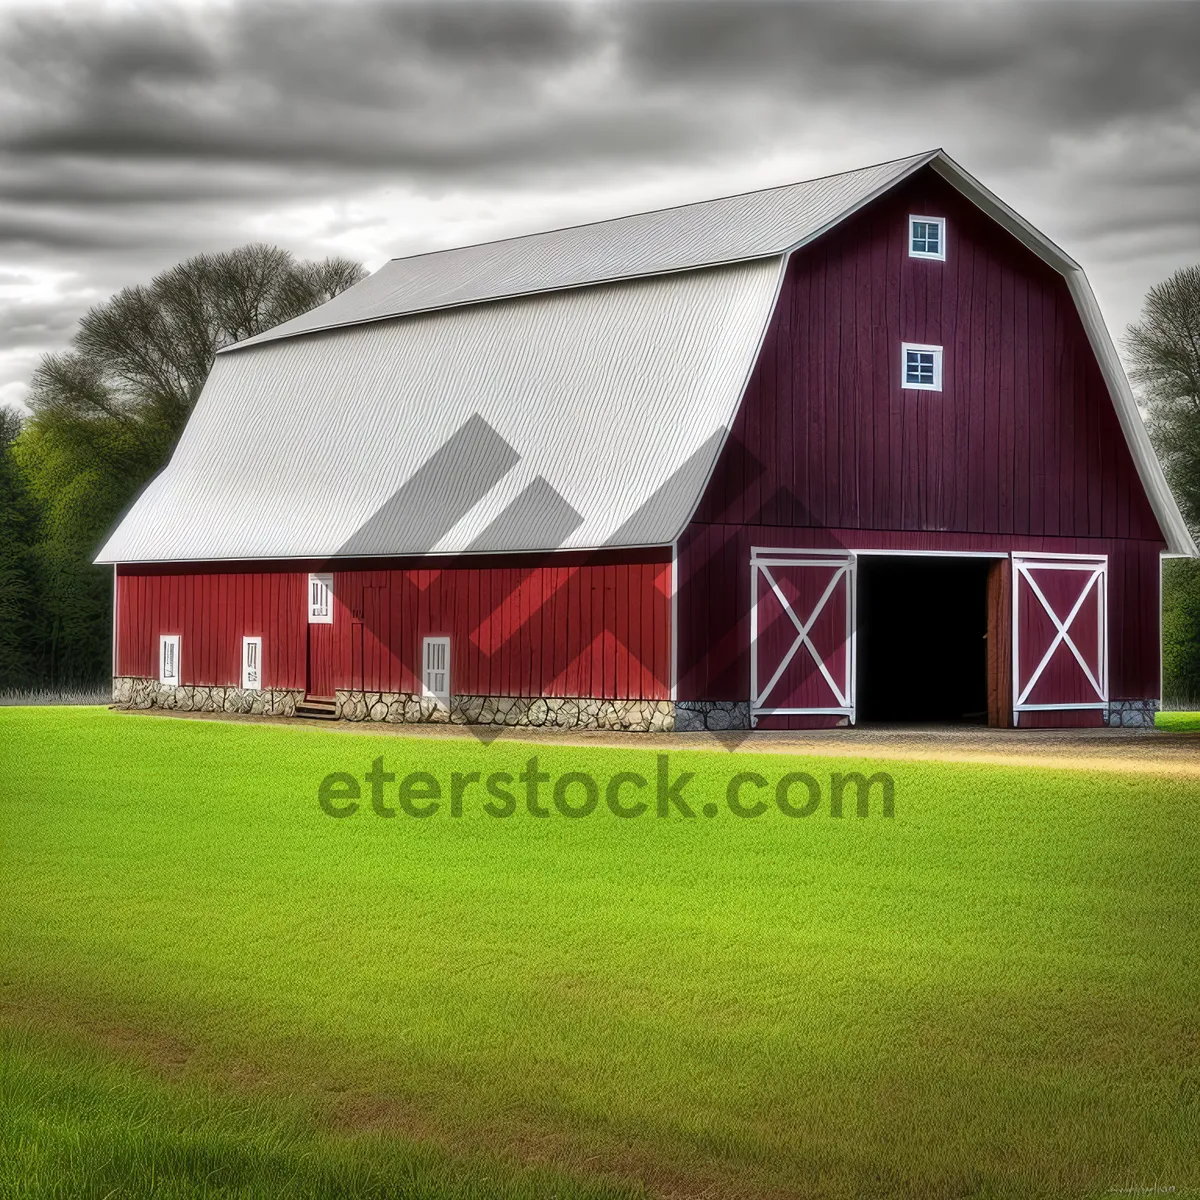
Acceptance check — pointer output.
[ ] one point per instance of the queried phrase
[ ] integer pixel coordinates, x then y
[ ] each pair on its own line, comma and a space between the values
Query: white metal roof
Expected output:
584, 418
583, 406
731, 229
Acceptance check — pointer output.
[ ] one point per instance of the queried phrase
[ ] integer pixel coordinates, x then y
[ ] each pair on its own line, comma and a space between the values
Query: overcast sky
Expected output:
132, 136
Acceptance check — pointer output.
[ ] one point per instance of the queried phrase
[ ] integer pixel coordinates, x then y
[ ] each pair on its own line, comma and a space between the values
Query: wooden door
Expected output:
801, 633
320, 662
1060, 634
319, 684
999, 644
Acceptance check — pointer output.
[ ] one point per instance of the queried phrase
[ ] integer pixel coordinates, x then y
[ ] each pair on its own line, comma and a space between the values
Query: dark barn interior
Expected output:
922, 639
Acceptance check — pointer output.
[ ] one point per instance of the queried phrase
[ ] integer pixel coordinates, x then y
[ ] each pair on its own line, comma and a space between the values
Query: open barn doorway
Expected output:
932, 641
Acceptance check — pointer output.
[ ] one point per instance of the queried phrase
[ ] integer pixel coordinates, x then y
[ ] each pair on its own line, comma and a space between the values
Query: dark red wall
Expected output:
714, 598
1021, 450
568, 626
1022, 439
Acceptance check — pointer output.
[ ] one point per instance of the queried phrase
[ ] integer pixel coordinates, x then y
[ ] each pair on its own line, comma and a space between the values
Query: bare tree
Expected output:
144, 355
1164, 351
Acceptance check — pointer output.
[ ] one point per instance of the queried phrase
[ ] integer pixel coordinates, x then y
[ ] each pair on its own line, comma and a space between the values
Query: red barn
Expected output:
858, 448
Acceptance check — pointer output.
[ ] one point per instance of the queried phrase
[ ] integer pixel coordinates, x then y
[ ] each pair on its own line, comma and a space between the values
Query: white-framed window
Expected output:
252, 663
168, 659
320, 599
921, 367
435, 670
927, 237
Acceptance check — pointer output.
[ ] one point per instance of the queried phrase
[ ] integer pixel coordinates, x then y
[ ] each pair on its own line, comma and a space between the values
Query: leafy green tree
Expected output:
1181, 631
18, 531
108, 412
1164, 352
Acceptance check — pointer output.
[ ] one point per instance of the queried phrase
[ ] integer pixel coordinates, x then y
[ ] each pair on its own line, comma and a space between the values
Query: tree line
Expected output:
1163, 349
107, 413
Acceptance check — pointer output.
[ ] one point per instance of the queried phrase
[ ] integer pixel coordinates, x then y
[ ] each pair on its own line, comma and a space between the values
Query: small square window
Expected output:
927, 237
320, 599
921, 367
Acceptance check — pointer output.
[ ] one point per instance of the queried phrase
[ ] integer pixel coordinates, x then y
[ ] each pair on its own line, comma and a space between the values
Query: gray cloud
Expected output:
1087, 62
29, 322
131, 139
417, 87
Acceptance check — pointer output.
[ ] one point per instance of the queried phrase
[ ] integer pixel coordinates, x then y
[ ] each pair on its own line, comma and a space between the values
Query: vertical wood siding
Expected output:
563, 627
212, 611
1023, 439
1021, 450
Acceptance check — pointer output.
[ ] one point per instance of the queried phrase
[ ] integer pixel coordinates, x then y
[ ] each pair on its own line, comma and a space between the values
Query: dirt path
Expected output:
1148, 751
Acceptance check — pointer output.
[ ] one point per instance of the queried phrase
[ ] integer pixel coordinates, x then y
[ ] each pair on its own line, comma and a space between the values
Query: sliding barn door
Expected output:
1060, 633
801, 633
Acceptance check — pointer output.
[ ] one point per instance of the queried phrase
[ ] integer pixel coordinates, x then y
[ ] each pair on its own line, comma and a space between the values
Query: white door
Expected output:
1060, 632
801, 633
435, 673
251, 663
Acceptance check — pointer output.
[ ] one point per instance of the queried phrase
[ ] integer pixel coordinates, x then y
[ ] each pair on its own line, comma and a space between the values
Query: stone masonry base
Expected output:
1132, 714
134, 692
548, 712
695, 716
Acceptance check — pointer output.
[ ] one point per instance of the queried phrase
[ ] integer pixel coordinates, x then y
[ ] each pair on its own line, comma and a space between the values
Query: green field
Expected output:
1177, 720
211, 987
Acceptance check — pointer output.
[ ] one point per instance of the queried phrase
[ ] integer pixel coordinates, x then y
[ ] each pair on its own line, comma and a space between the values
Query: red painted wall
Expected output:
1021, 450
714, 599
212, 610
1023, 438
567, 625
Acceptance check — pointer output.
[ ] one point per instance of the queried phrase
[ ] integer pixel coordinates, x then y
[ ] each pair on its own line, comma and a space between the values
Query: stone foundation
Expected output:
135, 692
542, 712
695, 716
1132, 714
549, 712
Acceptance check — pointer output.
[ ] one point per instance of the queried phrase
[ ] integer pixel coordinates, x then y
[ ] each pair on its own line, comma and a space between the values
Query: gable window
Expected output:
320, 599
921, 367
927, 237
168, 659
435, 675
251, 663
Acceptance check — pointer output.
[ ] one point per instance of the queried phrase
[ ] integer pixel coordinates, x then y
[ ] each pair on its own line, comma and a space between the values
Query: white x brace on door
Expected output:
801, 633
1060, 632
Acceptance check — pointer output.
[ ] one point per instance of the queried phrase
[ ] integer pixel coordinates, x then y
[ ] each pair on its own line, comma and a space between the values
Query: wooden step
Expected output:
315, 709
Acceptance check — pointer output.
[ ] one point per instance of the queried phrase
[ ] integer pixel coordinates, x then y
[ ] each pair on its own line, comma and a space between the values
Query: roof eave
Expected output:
608, 280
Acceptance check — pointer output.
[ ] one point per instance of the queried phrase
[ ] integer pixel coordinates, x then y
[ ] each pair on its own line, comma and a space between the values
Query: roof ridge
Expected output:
649, 212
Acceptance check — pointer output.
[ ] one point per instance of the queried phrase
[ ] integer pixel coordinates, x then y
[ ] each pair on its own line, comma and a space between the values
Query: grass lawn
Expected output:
211, 987
1177, 720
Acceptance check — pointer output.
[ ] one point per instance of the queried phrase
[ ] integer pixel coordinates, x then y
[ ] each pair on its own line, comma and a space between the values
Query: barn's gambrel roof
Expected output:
564, 390
731, 229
